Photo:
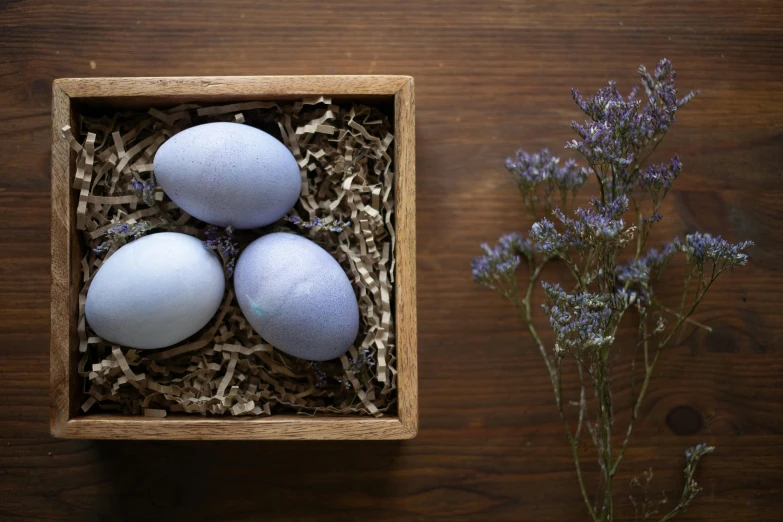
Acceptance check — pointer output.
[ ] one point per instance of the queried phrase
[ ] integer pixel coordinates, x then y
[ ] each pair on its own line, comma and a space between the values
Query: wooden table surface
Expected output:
490, 77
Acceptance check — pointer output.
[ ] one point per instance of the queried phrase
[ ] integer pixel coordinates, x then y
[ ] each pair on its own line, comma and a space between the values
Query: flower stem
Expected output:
554, 375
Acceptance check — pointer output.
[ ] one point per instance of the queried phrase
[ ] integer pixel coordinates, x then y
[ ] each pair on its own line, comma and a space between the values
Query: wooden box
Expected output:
72, 95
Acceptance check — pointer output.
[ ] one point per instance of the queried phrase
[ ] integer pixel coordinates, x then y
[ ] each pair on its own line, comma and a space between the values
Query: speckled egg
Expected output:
297, 297
229, 174
155, 291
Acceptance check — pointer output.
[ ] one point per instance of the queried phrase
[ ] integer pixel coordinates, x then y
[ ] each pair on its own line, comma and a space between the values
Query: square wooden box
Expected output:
73, 95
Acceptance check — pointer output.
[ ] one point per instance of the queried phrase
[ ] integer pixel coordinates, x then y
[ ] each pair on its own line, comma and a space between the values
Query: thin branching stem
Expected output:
554, 373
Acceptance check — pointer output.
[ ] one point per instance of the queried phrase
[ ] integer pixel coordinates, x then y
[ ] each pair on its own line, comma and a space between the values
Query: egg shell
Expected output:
297, 297
229, 174
155, 291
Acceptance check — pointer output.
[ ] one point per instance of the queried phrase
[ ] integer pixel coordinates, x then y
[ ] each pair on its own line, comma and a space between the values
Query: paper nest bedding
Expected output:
344, 151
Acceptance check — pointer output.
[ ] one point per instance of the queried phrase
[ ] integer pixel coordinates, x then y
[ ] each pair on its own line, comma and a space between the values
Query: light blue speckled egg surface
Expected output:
229, 174
297, 297
155, 291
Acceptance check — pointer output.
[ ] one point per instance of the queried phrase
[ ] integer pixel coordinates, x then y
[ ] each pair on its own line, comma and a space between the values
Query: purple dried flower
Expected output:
363, 360
580, 321
144, 190
596, 227
497, 267
634, 272
335, 226
124, 231
658, 179
662, 104
531, 170
614, 122
612, 209
546, 237
700, 247
320, 376
644, 272
224, 244
619, 129
619, 136
122, 228
698, 451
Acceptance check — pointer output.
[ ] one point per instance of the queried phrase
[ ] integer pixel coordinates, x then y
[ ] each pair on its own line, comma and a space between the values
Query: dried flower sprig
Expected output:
144, 190
336, 226
617, 139
123, 232
321, 379
360, 368
363, 363
224, 244
531, 171
645, 509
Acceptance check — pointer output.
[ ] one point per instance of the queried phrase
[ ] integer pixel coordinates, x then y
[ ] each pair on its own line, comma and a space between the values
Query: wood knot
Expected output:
684, 420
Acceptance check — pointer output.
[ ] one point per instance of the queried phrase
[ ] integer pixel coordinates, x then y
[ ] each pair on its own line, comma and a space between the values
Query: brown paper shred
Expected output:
183, 107
84, 176
227, 369
109, 200
183, 218
88, 403
241, 408
134, 151
170, 117
227, 377
119, 143
68, 135
234, 107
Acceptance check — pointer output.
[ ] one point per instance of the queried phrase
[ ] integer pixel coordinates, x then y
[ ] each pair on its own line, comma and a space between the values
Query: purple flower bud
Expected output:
700, 247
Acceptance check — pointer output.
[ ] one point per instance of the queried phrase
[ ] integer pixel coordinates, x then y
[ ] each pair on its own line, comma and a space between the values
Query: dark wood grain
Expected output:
490, 76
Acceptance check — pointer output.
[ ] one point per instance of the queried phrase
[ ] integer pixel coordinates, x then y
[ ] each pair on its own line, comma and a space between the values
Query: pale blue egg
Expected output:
229, 174
155, 291
297, 297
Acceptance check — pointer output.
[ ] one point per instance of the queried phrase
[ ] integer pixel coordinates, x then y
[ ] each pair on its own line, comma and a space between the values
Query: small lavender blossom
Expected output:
579, 321
614, 121
659, 113
336, 226
144, 190
612, 209
320, 376
634, 273
700, 247
531, 170
496, 269
602, 141
697, 450
658, 179
224, 244
646, 271
619, 129
692, 457
600, 225
344, 381
363, 361
546, 237
123, 231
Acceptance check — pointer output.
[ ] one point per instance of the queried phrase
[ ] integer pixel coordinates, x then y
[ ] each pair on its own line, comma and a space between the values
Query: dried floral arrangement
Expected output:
346, 205
608, 282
